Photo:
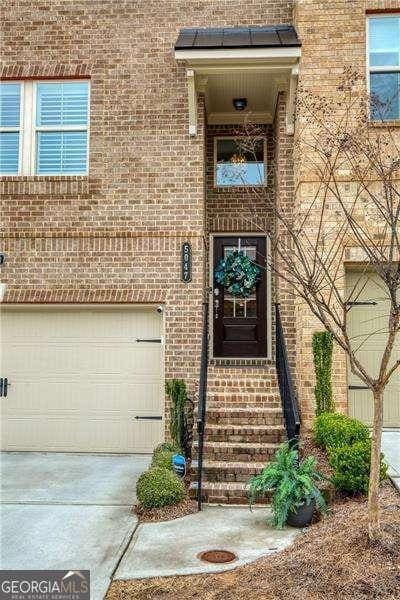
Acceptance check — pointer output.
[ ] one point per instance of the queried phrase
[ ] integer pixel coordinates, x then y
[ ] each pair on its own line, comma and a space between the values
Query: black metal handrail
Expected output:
288, 395
201, 412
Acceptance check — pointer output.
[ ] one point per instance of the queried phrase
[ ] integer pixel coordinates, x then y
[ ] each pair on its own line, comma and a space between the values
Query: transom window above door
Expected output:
239, 163
384, 66
44, 127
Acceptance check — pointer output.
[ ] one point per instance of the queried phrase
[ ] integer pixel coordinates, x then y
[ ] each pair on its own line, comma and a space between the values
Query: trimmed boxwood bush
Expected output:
163, 459
332, 430
351, 465
170, 446
158, 487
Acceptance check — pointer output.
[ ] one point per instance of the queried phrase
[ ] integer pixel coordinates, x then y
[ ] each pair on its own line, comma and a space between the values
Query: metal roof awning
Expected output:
251, 62
237, 37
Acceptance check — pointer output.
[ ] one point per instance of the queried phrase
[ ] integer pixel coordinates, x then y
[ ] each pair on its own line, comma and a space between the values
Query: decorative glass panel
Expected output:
229, 306
10, 102
62, 104
61, 152
251, 307
385, 95
384, 41
238, 166
9, 153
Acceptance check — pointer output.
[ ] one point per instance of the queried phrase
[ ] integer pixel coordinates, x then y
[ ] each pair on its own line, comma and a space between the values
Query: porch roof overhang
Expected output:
252, 62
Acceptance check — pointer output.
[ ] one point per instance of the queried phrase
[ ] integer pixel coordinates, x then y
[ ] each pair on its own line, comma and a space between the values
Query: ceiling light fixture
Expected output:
240, 103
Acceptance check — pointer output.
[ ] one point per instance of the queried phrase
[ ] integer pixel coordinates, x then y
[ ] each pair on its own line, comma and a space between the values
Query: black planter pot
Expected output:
302, 517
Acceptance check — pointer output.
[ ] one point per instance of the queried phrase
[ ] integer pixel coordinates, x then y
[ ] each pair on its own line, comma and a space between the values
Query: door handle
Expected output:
153, 340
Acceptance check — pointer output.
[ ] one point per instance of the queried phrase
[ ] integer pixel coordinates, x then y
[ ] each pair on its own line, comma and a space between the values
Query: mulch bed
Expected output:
167, 513
308, 448
332, 560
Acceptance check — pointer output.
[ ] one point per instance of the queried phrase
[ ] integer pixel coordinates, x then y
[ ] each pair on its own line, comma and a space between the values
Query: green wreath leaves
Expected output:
237, 273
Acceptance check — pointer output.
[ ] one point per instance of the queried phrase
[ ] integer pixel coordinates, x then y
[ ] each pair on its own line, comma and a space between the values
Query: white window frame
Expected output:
229, 186
383, 69
29, 130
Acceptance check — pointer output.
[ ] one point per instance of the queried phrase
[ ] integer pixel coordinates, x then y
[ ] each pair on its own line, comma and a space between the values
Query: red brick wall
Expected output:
115, 236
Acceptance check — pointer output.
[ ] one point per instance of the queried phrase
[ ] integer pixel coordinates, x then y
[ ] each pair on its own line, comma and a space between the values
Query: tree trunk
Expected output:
373, 494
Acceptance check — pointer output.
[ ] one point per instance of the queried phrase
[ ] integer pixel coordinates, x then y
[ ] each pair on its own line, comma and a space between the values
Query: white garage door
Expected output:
80, 381
368, 320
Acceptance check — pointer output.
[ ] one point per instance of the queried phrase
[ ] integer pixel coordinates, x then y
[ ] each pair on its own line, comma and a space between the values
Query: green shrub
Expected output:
170, 446
182, 419
332, 430
351, 465
163, 459
158, 487
322, 345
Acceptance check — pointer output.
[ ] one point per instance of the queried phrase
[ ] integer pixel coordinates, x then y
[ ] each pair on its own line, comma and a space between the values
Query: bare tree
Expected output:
355, 203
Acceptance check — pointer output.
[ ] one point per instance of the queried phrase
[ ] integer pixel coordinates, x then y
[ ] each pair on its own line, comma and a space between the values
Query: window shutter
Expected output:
9, 153
62, 104
61, 152
10, 103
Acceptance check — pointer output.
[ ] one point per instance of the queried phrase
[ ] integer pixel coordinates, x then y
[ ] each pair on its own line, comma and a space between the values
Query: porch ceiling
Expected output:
260, 90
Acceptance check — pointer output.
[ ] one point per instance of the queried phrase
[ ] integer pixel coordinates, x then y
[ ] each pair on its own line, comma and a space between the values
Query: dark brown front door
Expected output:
240, 324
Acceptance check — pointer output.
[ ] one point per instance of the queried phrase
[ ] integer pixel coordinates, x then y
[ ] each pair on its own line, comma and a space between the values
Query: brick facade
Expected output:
333, 37
115, 236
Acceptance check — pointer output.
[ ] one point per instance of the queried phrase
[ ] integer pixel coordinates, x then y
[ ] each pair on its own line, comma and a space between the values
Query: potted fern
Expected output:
293, 483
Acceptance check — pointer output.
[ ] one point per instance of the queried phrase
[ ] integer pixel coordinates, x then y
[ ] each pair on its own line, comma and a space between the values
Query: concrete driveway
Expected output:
68, 511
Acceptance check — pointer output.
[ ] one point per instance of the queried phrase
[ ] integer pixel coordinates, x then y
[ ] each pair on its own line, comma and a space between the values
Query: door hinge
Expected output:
366, 303
148, 417
358, 387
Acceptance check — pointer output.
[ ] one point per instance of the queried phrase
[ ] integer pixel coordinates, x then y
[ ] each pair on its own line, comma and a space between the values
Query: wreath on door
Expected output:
237, 273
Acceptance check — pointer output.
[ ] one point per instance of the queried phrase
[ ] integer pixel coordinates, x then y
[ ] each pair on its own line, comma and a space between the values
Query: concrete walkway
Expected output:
391, 450
171, 547
68, 511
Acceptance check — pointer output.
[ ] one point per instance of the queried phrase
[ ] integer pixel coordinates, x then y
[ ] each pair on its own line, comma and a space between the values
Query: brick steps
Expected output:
238, 451
221, 471
243, 415
264, 434
225, 493
244, 428
251, 400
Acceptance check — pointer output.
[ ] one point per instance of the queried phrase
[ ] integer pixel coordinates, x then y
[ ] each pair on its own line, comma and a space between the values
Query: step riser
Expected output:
227, 435
222, 497
221, 418
221, 474
237, 454
243, 396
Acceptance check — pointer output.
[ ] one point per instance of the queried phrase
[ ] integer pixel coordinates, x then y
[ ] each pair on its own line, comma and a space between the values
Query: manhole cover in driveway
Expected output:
217, 556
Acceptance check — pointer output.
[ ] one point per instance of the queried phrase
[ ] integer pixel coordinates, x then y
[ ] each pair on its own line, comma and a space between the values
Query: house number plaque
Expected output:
186, 262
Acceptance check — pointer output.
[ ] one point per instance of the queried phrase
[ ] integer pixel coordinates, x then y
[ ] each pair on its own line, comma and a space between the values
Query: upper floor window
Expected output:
44, 128
237, 163
384, 66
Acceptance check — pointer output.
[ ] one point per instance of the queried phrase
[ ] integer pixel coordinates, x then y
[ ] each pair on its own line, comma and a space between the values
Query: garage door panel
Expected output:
50, 397
67, 434
368, 327
51, 360
79, 378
